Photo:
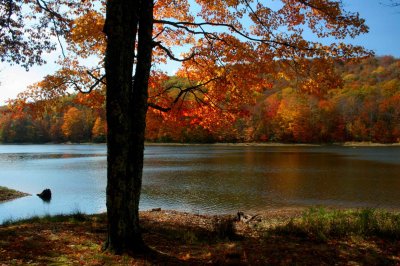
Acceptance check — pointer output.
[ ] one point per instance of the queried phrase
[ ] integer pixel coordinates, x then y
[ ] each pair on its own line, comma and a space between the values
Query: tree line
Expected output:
365, 106
68, 119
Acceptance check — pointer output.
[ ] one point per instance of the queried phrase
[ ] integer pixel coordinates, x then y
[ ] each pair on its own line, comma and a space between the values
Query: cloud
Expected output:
15, 79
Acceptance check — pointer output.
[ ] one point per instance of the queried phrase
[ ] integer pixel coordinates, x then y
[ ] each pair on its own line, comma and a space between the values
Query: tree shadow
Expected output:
176, 241
156, 257
180, 243
26, 245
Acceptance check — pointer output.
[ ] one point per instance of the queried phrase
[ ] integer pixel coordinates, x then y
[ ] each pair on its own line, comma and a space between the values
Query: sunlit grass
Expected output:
76, 216
321, 223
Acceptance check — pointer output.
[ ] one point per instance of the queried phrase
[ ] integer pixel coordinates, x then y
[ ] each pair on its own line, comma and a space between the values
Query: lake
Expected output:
204, 178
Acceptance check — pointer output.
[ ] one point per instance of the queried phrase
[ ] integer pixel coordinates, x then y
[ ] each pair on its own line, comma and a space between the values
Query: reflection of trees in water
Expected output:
257, 178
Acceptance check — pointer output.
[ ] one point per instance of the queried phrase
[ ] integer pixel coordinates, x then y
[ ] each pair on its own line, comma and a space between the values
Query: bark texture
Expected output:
128, 25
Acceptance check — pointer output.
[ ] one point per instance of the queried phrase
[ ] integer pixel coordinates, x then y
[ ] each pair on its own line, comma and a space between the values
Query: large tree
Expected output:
229, 50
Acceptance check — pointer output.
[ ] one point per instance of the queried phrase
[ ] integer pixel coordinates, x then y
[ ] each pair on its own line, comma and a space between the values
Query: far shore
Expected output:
238, 144
276, 144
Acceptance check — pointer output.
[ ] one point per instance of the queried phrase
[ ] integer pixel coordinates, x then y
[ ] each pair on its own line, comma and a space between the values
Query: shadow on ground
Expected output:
183, 239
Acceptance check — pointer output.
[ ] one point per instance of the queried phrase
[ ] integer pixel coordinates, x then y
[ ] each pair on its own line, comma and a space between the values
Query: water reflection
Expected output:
210, 179
230, 179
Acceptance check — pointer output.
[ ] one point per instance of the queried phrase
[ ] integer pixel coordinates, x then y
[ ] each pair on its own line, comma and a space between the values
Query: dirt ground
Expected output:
177, 238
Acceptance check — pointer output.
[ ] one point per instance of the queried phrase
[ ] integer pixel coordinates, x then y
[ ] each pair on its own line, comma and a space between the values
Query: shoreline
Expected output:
7, 194
239, 144
278, 144
275, 214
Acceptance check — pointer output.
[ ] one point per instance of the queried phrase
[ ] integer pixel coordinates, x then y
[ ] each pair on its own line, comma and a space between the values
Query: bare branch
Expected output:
43, 5
158, 34
170, 55
182, 93
53, 15
98, 80
92, 87
185, 25
159, 108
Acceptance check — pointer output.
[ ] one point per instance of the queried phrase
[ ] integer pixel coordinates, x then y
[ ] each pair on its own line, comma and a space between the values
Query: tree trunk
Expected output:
126, 117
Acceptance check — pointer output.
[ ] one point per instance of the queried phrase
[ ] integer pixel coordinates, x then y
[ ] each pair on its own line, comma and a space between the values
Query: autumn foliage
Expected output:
362, 105
232, 55
247, 73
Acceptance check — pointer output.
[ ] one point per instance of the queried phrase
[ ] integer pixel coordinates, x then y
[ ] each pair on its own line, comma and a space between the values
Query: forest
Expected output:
360, 103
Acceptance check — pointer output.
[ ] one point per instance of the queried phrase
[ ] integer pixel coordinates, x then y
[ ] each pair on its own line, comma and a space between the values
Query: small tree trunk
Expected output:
126, 117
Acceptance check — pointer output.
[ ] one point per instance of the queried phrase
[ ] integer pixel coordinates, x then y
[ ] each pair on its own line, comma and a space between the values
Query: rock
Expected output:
45, 195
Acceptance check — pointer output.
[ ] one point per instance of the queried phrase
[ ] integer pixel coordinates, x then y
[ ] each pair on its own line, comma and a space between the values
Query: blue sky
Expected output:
383, 39
384, 23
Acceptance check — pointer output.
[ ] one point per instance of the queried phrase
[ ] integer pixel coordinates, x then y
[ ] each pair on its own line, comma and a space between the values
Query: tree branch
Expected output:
185, 25
98, 80
183, 92
159, 108
170, 55
53, 14
94, 85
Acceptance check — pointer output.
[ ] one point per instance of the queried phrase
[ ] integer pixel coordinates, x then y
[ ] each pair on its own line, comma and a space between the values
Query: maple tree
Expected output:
77, 125
231, 47
99, 130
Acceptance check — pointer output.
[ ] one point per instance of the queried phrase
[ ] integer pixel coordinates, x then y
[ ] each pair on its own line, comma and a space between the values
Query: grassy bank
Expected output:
10, 194
323, 224
275, 237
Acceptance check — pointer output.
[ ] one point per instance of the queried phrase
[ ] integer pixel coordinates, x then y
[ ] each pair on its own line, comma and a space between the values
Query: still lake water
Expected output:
204, 178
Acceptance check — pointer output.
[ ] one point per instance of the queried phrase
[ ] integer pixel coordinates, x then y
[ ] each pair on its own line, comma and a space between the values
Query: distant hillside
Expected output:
361, 103
364, 106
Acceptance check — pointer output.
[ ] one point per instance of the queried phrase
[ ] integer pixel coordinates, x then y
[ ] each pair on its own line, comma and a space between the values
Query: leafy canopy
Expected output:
228, 50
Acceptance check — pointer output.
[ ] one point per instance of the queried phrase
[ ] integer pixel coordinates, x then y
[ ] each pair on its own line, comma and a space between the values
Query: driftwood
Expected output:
246, 218
45, 195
